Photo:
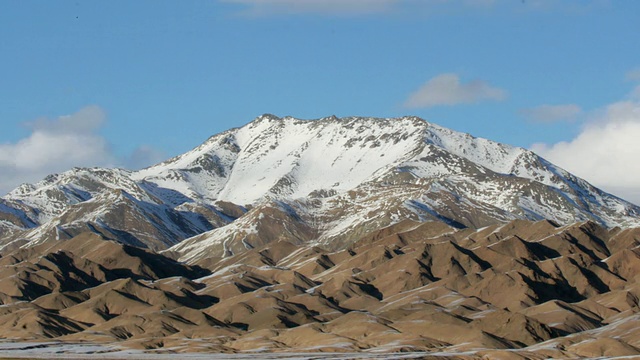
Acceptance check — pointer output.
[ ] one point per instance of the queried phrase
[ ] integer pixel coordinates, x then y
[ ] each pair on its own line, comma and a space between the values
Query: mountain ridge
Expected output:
332, 174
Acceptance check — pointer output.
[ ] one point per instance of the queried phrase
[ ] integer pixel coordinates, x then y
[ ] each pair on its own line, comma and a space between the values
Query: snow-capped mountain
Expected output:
325, 181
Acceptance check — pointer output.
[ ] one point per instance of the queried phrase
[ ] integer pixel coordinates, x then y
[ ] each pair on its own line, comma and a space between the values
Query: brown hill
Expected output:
523, 289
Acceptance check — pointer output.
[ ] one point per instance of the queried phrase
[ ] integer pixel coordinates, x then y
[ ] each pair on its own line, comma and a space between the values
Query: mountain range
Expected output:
398, 226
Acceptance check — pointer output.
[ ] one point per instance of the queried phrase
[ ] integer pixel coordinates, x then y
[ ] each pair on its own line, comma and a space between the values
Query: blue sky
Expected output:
128, 83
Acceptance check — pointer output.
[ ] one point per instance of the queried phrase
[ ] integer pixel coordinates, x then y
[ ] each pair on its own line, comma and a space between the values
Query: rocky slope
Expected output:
325, 182
521, 289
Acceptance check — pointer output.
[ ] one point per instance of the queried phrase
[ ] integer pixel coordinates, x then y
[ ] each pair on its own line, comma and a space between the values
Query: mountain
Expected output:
325, 182
334, 235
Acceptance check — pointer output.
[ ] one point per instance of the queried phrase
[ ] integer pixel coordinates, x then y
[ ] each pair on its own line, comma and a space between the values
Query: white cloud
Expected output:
633, 75
56, 145
606, 151
480, 3
446, 89
332, 7
552, 113
144, 156
86, 121
360, 7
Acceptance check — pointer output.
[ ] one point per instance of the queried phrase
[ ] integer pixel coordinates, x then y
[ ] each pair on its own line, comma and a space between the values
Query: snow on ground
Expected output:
86, 351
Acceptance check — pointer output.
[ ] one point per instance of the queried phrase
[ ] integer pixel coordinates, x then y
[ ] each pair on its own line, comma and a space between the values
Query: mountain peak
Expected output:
267, 117
290, 158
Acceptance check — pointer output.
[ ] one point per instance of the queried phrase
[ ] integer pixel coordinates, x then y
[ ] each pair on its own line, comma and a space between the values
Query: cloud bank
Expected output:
446, 89
58, 144
606, 150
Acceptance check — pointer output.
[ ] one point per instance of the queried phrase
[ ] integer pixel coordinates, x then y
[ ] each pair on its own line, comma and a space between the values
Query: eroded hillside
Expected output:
530, 288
